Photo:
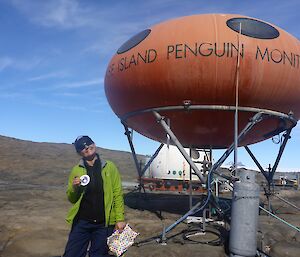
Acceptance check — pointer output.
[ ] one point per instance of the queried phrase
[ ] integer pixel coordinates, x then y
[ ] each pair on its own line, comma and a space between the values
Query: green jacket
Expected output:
113, 193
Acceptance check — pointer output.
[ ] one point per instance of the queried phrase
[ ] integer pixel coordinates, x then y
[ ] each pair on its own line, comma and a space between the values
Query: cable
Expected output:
276, 139
192, 236
260, 253
189, 236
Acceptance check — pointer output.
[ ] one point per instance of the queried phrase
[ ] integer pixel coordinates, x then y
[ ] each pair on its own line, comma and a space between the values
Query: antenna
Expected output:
237, 103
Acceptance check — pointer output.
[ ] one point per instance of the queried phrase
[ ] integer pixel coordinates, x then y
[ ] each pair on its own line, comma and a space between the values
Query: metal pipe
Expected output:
190, 212
128, 134
281, 149
256, 162
216, 180
255, 119
286, 201
161, 120
211, 107
282, 220
244, 215
191, 185
236, 119
151, 159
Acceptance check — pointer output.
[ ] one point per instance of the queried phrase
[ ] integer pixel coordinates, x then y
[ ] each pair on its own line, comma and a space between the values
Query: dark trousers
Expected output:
85, 232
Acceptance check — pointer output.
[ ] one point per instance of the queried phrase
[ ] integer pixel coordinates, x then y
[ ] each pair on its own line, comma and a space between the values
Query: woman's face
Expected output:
89, 152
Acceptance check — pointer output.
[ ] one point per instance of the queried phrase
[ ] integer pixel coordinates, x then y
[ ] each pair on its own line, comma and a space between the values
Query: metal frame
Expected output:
270, 174
137, 165
271, 170
259, 115
188, 106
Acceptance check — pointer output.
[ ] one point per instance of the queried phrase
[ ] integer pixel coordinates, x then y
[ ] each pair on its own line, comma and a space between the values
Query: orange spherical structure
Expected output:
194, 59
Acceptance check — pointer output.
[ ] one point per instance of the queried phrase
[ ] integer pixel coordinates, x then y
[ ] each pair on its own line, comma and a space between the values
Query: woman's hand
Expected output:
120, 226
76, 182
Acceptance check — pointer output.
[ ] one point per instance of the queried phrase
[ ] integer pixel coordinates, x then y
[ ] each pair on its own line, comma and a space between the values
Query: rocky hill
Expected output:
50, 163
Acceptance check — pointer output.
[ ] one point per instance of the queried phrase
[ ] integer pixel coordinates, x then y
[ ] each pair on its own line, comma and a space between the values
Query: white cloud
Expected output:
8, 62
55, 13
80, 84
66, 94
65, 106
55, 75
8, 95
95, 106
5, 62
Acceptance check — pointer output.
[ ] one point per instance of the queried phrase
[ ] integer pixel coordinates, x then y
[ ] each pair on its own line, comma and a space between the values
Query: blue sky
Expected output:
54, 54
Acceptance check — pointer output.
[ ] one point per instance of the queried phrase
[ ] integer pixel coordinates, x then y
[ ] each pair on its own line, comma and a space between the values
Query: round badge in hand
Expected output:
84, 180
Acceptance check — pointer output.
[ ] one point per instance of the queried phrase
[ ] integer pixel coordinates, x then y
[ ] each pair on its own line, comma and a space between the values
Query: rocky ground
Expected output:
33, 207
32, 224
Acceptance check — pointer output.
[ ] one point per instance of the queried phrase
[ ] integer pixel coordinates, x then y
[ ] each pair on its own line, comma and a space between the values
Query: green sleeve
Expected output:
73, 195
118, 199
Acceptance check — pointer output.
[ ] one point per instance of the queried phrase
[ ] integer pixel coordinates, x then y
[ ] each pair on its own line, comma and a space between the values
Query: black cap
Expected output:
81, 142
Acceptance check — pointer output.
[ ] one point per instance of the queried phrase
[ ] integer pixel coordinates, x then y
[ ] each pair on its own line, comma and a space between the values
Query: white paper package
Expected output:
119, 242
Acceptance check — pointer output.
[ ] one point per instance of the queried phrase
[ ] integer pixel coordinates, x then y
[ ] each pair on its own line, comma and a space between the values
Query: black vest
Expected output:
92, 203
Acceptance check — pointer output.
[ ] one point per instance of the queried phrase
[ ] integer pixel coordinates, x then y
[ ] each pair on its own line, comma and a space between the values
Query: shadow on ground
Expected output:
160, 202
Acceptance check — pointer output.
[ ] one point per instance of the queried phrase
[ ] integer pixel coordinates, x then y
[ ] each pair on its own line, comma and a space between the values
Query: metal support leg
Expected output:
256, 162
281, 149
191, 185
151, 160
190, 212
266, 175
161, 120
138, 168
255, 119
287, 202
270, 174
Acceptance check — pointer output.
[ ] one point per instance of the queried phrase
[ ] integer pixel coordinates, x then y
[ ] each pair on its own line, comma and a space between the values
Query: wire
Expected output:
260, 253
192, 236
282, 220
189, 236
276, 139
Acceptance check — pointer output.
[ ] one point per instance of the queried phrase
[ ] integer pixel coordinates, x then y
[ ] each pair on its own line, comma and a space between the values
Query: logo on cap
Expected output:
82, 142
